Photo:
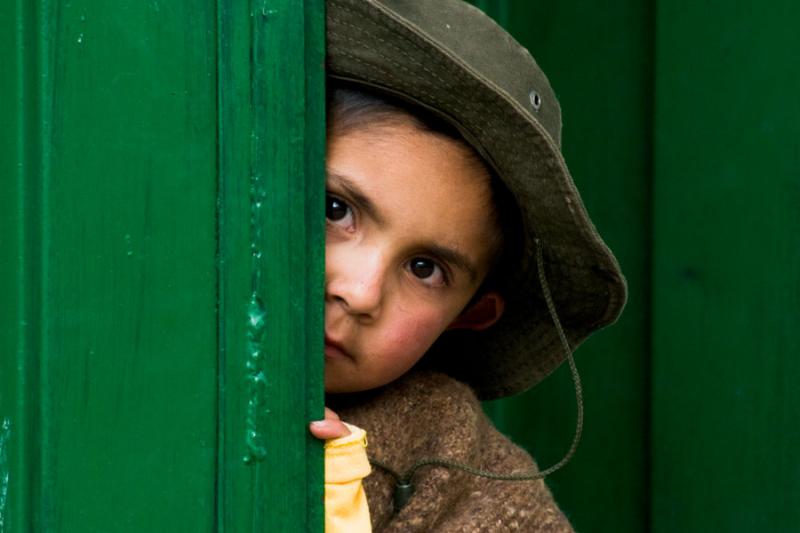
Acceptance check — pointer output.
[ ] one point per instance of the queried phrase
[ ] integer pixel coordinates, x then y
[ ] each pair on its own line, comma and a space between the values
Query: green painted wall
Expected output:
598, 56
726, 277
682, 130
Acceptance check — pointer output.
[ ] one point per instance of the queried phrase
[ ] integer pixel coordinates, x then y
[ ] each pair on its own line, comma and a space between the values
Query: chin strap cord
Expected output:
576, 378
404, 488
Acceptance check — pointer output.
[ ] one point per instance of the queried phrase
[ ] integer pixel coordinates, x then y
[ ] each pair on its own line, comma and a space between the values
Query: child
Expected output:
456, 248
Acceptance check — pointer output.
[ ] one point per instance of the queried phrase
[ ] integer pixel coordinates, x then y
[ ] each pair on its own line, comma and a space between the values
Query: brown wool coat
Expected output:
426, 415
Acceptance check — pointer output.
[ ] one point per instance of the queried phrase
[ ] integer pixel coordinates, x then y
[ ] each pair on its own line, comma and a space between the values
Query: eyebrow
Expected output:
444, 253
455, 258
357, 197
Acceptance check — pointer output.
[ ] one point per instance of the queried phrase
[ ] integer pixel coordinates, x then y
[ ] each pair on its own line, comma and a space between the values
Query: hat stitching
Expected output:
384, 41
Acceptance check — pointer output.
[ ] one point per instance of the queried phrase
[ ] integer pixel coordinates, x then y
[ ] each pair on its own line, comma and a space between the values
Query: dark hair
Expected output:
353, 107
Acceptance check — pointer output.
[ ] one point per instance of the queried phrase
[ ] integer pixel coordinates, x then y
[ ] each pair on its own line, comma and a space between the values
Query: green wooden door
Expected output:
161, 274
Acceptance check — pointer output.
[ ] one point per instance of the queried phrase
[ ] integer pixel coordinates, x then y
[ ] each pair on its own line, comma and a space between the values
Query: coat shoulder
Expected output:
429, 417
505, 505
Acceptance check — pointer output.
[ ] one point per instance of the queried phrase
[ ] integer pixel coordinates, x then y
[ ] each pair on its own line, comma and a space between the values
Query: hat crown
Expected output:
485, 49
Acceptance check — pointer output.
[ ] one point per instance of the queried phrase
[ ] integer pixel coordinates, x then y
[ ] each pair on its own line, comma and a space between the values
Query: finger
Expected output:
328, 429
330, 414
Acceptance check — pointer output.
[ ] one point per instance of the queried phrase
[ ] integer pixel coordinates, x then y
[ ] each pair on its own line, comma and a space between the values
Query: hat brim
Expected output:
417, 51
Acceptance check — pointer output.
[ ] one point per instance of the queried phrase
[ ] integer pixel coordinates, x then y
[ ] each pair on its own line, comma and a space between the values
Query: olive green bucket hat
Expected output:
449, 58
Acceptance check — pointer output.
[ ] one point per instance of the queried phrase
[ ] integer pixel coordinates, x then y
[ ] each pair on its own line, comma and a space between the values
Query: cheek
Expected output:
411, 334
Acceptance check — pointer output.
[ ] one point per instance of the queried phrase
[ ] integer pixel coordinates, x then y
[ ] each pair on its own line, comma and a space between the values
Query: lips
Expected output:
334, 349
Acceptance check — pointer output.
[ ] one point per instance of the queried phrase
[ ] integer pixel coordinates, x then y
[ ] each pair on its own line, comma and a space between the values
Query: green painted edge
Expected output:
271, 264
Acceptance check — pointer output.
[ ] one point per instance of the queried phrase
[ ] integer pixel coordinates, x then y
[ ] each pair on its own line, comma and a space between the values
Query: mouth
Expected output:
335, 350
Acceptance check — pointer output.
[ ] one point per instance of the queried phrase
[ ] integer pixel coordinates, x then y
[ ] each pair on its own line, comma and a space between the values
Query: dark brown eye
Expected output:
335, 209
428, 271
422, 268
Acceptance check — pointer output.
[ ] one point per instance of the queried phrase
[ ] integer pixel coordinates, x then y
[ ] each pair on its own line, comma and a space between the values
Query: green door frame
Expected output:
271, 230
162, 262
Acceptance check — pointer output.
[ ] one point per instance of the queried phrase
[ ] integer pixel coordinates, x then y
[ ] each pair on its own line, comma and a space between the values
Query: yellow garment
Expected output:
346, 464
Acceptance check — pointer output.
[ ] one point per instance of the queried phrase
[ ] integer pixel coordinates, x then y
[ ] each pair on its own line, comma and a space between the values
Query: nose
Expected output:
355, 279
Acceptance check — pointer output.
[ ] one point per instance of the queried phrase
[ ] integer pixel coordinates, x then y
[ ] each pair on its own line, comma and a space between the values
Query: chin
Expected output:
340, 386
344, 386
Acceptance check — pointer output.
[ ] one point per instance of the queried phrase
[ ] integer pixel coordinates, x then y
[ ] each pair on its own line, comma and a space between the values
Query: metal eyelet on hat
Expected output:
536, 100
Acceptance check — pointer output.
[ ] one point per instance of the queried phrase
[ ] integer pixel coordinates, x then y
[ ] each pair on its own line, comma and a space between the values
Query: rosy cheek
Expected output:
414, 333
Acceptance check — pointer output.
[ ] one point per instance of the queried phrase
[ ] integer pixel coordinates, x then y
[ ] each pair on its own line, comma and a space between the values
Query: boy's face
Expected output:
407, 245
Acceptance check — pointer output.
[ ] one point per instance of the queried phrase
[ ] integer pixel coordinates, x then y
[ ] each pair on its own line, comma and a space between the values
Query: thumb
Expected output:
330, 428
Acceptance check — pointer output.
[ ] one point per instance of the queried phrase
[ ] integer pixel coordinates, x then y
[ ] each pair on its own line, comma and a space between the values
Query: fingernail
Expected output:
319, 423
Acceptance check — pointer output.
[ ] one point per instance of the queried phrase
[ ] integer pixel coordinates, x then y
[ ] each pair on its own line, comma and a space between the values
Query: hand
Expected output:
330, 428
